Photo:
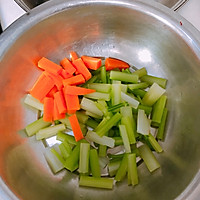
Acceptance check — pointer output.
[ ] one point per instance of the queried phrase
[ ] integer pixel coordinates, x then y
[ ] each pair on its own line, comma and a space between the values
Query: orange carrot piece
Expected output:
42, 87
74, 80
65, 74
73, 56
52, 91
75, 90
76, 127
68, 66
82, 69
56, 114
112, 63
71, 111
91, 62
60, 102
49, 66
48, 109
72, 102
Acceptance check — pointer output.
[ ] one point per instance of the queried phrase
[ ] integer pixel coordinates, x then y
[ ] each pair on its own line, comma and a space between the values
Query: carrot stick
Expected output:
48, 109
56, 114
73, 56
91, 62
65, 74
42, 87
112, 63
60, 102
75, 90
74, 80
82, 69
49, 66
67, 65
76, 127
52, 91
72, 102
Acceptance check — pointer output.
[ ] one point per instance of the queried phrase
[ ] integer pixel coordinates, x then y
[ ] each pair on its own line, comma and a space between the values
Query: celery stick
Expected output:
131, 78
116, 107
58, 155
92, 123
149, 158
152, 79
102, 105
130, 100
94, 163
122, 170
132, 169
33, 102
139, 92
90, 106
124, 88
65, 149
106, 183
155, 144
84, 158
142, 85
115, 157
161, 129
91, 80
153, 94
49, 131
147, 109
53, 161
100, 87
158, 109
110, 123
129, 128
140, 72
102, 124
143, 123
113, 166
103, 74
124, 135
115, 94
118, 141
102, 150
35, 126
65, 137
98, 95
82, 117
91, 114
92, 136
71, 163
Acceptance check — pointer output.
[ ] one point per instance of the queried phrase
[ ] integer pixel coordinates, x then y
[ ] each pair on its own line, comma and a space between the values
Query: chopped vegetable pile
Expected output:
116, 117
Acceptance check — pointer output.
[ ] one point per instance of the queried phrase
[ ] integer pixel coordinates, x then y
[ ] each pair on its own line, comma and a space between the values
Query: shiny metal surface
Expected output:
27, 5
143, 34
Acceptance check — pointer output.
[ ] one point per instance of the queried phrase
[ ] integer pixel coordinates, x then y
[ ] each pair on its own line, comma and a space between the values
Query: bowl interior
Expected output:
136, 33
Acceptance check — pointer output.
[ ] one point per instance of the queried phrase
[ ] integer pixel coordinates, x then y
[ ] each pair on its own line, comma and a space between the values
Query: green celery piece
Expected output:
120, 76
122, 170
84, 158
143, 123
102, 105
49, 131
65, 137
140, 72
129, 128
124, 135
35, 126
115, 93
100, 87
156, 146
132, 169
139, 92
141, 85
33, 102
127, 70
130, 100
113, 166
82, 117
158, 109
161, 129
72, 162
102, 124
124, 88
118, 141
65, 149
98, 95
116, 107
110, 123
94, 163
147, 109
115, 157
152, 79
58, 155
153, 94
105, 183
92, 123
149, 158
102, 150
103, 74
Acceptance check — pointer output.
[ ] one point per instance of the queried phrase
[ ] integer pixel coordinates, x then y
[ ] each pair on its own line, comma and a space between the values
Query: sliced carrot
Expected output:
60, 102
49, 66
72, 102
48, 109
82, 69
65, 74
75, 90
52, 91
71, 111
73, 56
67, 65
42, 87
57, 79
91, 62
74, 80
76, 127
56, 114
112, 63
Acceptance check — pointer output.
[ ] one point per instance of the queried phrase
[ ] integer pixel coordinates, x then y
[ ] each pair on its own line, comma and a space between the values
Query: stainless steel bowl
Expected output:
143, 34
